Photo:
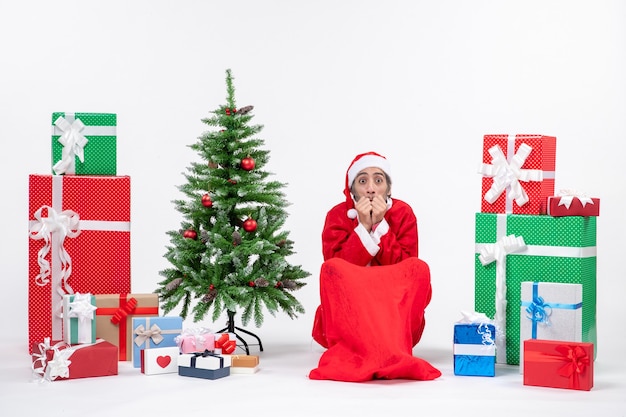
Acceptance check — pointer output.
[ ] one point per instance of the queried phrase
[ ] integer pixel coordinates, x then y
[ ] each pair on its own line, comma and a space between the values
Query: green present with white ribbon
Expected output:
84, 143
513, 248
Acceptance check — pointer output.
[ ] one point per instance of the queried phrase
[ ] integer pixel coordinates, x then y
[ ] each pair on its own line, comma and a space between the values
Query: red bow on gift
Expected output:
576, 361
123, 312
225, 343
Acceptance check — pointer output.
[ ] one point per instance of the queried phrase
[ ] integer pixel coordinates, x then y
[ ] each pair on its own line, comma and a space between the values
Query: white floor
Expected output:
281, 388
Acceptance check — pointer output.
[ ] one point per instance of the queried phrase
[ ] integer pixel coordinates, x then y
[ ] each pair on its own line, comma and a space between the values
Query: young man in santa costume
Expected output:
370, 229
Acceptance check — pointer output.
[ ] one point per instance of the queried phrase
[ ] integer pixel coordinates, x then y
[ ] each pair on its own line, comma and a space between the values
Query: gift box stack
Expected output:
79, 253
535, 261
83, 318
79, 227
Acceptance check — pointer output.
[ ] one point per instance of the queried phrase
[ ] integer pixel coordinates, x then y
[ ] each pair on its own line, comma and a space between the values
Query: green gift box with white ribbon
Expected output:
513, 248
84, 143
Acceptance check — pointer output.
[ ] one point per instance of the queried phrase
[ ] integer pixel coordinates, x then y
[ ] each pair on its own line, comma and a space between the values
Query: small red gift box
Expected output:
573, 205
558, 364
518, 173
79, 230
57, 360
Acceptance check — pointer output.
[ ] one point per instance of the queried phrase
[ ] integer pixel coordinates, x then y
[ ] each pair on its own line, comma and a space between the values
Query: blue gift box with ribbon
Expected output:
206, 365
153, 332
474, 349
550, 311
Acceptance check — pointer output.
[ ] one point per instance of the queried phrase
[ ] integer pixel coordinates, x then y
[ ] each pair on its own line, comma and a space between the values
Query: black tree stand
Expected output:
230, 327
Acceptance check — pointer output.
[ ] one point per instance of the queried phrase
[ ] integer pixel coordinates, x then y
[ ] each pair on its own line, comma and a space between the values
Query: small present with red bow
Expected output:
558, 364
225, 343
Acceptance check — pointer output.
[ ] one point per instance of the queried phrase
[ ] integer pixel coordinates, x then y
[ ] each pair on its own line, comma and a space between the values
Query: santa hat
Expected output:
362, 161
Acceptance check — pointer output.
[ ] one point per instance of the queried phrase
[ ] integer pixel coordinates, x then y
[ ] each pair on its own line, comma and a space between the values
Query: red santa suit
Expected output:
371, 282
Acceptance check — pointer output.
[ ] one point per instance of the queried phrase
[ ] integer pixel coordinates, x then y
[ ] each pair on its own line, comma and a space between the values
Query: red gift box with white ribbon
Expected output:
518, 173
573, 203
79, 229
57, 360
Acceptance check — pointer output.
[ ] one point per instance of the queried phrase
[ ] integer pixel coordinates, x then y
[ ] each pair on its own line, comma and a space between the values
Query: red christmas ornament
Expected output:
190, 234
247, 163
249, 225
211, 287
251, 283
227, 111
278, 284
206, 201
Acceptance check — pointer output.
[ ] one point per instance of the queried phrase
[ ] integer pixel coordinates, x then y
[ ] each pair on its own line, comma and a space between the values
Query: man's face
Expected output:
370, 182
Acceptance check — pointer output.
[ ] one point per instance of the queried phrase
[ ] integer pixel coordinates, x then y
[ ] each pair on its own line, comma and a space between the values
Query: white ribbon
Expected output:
63, 224
198, 336
73, 142
59, 365
497, 252
82, 309
474, 317
507, 174
567, 196
61, 267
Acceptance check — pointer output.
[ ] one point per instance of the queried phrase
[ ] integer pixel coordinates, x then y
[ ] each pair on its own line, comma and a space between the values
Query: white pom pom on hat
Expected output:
360, 162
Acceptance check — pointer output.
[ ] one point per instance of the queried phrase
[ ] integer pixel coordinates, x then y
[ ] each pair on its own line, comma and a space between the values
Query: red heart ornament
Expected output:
163, 361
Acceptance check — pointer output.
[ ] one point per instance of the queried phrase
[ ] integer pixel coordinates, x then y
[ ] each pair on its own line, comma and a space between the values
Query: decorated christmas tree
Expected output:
231, 254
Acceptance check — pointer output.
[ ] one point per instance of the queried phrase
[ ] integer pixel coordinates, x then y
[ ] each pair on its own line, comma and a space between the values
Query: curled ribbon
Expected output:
497, 252
73, 142
482, 320
507, 175
143, 334
539, 311
567, 196
65, 224
57, 367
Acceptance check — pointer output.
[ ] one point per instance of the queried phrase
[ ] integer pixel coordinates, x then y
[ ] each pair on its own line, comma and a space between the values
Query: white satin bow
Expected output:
507, 175
73, 142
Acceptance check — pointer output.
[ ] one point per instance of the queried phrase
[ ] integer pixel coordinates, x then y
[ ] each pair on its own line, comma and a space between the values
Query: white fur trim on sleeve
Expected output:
366, 240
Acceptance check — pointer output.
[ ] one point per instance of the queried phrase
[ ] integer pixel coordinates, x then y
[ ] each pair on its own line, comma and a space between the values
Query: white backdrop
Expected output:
418, 81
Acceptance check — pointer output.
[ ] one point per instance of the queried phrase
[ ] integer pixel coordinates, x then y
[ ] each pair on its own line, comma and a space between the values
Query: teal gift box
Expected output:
79, 318
84, 143
153, 332
512, 248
